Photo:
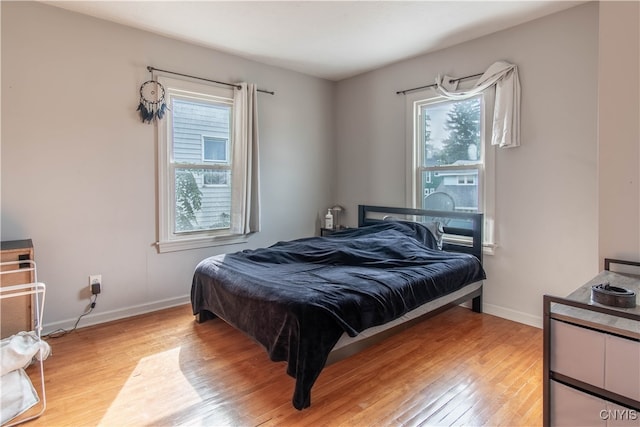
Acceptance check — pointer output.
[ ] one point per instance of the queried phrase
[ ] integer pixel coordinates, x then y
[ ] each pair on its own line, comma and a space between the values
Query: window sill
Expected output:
489, 248
200, 242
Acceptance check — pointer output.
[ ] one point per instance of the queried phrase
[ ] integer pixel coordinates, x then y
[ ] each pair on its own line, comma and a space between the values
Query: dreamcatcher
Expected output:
152, 105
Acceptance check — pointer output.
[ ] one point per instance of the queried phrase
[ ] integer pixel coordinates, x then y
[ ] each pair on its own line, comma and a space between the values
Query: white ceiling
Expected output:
329, 39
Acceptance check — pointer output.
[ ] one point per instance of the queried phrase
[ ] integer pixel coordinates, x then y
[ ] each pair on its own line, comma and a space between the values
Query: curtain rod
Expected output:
404, 92
150, 68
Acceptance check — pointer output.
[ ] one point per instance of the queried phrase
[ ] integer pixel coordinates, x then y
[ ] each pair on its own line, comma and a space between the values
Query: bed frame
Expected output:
463, 233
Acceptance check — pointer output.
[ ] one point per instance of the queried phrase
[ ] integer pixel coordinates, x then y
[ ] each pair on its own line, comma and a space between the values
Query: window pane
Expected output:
200, 207
193, 119
450, 190
215, 149
451, 132
217, 177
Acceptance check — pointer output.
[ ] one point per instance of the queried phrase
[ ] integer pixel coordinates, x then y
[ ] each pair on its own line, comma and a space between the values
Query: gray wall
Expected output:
79, 168
546, 190
619, 130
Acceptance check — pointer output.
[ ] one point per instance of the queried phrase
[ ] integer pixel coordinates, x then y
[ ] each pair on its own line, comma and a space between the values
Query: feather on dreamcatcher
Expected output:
152, 105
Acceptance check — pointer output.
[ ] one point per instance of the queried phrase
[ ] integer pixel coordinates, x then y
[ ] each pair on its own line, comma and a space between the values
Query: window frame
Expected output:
168, 238
486, 170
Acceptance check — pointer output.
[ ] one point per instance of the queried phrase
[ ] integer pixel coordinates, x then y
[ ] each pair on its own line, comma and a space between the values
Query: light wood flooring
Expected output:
161, 369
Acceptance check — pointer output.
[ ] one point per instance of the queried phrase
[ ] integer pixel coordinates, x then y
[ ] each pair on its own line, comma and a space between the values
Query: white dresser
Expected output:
592, 357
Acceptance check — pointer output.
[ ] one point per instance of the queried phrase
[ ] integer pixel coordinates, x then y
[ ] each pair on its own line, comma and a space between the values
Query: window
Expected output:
195, 166
449, 167
216, 178
215, 149
450, 148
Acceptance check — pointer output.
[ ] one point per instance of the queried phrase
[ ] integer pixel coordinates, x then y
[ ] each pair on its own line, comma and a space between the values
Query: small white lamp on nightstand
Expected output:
336, 210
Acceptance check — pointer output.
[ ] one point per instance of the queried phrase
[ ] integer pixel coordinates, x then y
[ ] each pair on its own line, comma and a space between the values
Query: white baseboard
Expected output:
121, 313
509, 314
95, 319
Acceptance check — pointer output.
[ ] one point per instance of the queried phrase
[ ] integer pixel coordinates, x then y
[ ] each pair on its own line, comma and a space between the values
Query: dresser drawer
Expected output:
622, 366
619, 416
571, 407
578, 353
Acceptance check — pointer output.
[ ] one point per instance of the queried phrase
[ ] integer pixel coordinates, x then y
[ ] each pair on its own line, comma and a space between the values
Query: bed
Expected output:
301, 298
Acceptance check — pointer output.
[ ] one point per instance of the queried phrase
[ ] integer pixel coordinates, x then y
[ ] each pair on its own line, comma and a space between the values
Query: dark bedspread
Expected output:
297, 298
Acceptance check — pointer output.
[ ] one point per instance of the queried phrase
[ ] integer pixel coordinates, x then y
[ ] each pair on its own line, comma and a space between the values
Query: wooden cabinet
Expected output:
16, 314
591, 368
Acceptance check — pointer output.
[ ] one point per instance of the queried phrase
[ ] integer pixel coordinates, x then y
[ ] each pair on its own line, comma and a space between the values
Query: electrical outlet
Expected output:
95, 283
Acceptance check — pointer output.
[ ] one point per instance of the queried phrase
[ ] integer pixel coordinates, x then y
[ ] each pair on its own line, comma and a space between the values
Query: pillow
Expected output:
436, 228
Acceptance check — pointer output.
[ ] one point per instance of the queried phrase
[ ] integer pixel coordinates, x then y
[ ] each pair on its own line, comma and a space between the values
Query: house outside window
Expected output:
195, 166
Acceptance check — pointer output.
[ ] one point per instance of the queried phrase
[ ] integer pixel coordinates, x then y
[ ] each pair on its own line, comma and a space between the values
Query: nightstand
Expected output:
324, 232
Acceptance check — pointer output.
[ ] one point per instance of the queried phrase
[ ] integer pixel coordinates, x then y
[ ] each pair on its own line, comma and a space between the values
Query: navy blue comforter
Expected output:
296, 298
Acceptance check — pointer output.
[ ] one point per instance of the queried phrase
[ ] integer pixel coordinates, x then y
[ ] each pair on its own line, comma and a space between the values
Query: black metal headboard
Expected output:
463, 230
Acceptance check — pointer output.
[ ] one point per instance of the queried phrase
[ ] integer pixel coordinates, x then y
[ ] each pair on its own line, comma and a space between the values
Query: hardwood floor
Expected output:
458, 368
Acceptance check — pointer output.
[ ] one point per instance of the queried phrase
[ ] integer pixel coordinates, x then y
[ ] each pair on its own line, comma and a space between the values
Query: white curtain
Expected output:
245, 174
506, 114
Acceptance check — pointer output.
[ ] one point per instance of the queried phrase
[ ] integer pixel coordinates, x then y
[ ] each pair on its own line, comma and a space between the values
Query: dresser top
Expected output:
9, 245
610, 323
